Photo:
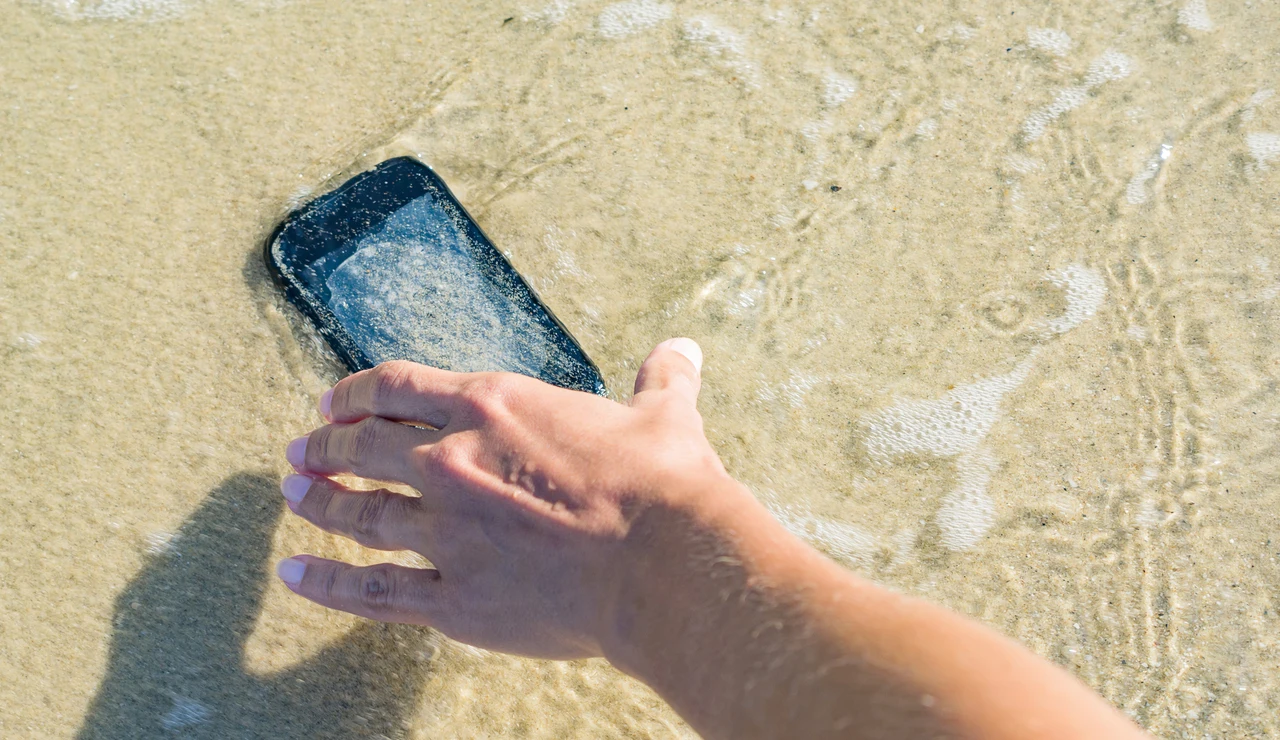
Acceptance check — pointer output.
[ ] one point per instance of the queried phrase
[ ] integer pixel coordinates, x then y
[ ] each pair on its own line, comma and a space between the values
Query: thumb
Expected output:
673, 366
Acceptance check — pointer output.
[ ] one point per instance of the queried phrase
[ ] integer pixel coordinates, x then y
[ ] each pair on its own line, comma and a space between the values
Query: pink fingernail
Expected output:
296, 453
687, 347
294, 488
326, 401
290, 570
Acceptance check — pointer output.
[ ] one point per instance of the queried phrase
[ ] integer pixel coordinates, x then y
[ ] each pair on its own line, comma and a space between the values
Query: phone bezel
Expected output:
331, 220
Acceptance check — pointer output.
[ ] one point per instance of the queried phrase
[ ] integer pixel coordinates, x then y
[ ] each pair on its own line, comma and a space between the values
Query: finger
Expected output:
379, 519
400, 390
371, 448
674, 366
385, 592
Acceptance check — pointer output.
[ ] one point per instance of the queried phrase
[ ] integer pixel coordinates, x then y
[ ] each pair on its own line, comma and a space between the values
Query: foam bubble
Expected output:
1085, 289
1049, 40
957, 424
814, 129
967, 512
837, 89
840, 540
1265, 147
1195, 15
628, 18
148, 10
723, 44
792, 390
954, 424
1256, 101
550, 14
1022, 164
1066, 99
1110, 66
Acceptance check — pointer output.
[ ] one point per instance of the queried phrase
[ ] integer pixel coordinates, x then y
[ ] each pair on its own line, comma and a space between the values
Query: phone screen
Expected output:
390, 266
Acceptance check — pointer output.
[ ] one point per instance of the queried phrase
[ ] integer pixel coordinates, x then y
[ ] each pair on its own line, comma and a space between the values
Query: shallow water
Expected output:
987, 294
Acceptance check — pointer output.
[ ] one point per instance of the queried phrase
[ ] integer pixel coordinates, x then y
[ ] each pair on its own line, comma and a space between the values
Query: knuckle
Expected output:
366, 435
328, 585
376, 588
320, 445
448, 458
389, 380
370, 512
488, 395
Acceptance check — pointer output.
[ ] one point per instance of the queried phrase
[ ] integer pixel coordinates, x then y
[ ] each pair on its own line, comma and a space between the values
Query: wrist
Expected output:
681, 560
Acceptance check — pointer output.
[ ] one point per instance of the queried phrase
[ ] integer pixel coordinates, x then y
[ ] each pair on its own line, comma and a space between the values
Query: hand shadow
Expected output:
176, 665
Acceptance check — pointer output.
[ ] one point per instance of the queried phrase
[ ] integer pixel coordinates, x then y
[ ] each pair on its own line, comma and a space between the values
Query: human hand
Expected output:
532, 496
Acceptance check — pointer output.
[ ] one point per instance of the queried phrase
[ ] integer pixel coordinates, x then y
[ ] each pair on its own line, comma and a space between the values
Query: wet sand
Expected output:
987, 295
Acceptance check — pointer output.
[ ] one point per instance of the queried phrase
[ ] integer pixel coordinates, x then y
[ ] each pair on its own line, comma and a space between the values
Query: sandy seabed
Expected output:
988, 294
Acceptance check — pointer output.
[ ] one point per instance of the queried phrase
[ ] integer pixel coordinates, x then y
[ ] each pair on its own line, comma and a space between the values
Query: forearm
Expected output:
748, 632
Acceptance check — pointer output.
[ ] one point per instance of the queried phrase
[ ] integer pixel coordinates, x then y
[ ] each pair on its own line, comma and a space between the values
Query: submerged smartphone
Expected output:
390, 266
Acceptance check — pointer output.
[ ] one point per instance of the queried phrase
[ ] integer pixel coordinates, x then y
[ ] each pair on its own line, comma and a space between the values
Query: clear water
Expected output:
987, 293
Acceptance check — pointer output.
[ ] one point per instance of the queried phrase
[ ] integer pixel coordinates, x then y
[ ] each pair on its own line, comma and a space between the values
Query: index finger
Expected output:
397, 390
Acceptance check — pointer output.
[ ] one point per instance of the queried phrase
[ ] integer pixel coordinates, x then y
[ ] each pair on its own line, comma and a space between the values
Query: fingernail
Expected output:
326, 401
294, 487
296, 452
688, 348
290, 570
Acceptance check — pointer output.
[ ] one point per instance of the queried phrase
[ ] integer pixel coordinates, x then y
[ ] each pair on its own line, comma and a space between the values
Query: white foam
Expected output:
1066, 99
1085, 289
814, 129
792, 390
957, 424
967, 512
1265, 147
1110, 66
723, 44
838, 89
927, 128
146, 10
1195, 15
625, 19
840, 540
1022, 164
1256, 101
551, 14
954, 424
1049, 40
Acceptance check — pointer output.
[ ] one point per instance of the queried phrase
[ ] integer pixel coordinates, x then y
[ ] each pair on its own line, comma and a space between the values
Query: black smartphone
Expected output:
390, 266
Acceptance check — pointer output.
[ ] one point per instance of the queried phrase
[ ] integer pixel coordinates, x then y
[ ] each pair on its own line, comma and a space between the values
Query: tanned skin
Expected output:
563, 525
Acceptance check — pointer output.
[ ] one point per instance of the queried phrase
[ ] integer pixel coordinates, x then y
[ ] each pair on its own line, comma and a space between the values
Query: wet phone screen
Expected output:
389, 266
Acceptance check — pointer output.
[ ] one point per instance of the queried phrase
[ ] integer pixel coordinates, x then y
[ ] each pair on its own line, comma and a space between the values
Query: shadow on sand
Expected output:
177, 654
